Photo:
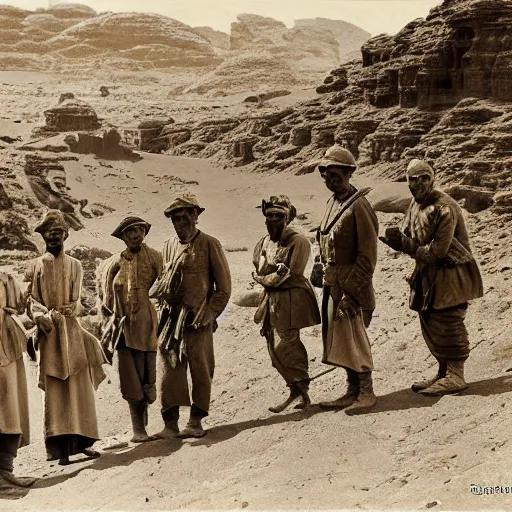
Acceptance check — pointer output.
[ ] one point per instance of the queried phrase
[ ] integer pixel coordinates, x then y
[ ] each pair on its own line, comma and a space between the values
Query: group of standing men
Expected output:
160, 311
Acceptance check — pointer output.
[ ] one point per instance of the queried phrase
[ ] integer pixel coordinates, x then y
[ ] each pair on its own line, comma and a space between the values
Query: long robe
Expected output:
206, 288
14, 415
288, 307
350, 248
126, 282
71, 358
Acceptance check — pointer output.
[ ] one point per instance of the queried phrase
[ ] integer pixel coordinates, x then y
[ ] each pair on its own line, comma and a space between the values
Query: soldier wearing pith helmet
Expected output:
348, 249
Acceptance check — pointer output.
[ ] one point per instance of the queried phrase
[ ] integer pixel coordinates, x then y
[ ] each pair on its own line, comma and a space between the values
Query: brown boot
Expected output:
170, 417
138, 413
294, 394
366, 398
350, 395
192, 429
441, 372
452, 383
7, 476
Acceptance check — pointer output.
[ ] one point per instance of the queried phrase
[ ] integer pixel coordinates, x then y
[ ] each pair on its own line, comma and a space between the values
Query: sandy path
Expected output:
409, 452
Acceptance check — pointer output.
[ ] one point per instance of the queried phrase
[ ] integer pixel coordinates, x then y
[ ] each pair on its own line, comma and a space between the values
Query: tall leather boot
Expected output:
170, 417
350, 395
441, 372
138, 413
452, 383
366, 398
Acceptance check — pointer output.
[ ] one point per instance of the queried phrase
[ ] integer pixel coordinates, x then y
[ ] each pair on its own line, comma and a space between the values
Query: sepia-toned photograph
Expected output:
255, 254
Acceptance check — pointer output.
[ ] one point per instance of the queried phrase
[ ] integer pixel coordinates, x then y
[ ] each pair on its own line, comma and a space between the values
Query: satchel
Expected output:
349, 346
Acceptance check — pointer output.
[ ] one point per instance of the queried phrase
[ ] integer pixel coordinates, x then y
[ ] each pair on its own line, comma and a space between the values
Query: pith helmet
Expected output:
337, 156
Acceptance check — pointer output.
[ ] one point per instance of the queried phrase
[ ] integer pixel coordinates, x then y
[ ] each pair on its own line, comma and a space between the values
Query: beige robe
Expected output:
14, 416
350, 248
70, 357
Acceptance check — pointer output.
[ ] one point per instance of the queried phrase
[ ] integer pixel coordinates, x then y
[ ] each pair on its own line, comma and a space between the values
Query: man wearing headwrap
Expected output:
132, 319
445, 278
194, 288
348, 248
289, 302
14, 417
71, 359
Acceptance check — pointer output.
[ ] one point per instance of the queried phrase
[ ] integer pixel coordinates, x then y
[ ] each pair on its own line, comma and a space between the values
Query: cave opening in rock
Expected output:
461, 44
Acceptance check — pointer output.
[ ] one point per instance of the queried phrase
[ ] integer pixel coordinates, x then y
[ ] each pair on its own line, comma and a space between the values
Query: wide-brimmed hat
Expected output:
52, 219
129, 222
185, 201
336, 156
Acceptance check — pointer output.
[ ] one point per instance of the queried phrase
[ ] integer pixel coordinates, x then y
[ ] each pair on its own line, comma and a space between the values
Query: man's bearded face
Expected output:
133, 237
276, 222
337, 179
420, 186
54, 238
184, 222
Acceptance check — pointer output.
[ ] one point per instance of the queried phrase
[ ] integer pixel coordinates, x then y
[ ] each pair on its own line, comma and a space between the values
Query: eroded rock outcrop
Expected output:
437, 90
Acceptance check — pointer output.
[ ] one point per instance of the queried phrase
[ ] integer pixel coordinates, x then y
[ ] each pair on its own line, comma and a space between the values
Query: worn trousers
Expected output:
445, 333
200, 360
137, 374
289, 357
8, 450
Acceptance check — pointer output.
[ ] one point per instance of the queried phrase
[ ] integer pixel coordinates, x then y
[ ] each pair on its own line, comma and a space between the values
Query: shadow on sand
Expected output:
395, 401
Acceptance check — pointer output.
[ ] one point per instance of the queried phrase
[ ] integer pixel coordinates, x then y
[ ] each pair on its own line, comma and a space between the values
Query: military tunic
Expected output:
349, 251
205, 290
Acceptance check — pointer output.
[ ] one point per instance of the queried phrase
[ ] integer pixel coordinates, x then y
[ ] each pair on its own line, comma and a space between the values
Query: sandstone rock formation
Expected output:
71, 115
218, 39
435, 90
350, 37
259, 51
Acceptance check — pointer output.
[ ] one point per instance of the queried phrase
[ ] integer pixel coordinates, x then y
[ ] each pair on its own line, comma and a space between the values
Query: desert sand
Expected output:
409, 452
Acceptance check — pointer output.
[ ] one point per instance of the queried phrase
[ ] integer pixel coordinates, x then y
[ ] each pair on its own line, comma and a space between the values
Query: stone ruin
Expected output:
146, 135
69, 115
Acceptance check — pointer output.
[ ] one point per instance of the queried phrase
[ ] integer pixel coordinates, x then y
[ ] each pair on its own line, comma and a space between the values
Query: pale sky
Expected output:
375, 16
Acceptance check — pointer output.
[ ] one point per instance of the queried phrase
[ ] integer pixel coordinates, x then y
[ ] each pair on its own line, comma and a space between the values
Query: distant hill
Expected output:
260, 53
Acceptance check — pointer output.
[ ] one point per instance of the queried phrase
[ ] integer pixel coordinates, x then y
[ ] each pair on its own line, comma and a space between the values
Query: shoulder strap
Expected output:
344, 207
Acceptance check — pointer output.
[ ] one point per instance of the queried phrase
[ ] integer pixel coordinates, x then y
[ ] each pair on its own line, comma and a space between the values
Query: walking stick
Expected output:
323, 373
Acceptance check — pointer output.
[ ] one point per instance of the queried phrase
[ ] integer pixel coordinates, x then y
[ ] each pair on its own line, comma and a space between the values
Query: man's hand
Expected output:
208, 317
330, 275
347, 307
393, 238
257, 278
44, 323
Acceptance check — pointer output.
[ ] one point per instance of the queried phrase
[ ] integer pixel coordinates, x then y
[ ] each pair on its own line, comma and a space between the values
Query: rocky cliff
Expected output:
258, 54
439, 89
265, 54
72, 36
